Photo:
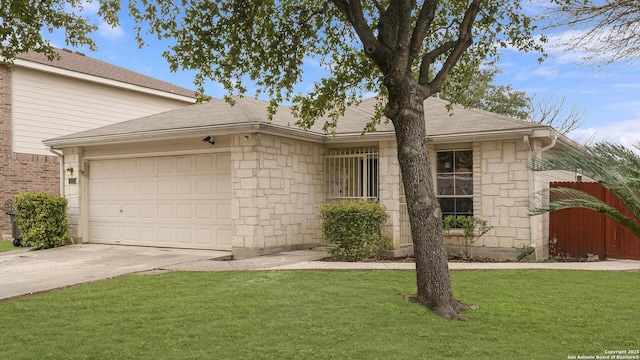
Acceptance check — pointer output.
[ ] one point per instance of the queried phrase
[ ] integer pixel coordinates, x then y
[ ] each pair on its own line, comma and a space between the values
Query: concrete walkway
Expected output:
24, 272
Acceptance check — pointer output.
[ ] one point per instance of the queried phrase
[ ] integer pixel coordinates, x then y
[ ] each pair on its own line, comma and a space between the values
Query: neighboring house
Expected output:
42, 99
212, 176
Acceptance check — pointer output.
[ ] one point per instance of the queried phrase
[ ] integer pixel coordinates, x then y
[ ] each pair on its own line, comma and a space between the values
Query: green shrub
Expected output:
473, 228
42, 219
356, 227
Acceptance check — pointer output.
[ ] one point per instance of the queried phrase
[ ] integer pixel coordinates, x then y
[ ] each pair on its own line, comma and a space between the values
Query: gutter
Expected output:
532, 190
61, 161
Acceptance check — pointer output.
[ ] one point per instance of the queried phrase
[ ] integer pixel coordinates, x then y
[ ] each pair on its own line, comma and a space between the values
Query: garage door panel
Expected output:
166, 166
224, 236
223, 212
165, 235
184, 164
174, 201
165, 212
223, 163
184, 211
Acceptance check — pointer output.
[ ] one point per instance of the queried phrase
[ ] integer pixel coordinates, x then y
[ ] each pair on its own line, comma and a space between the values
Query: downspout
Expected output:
532, 189
61, 160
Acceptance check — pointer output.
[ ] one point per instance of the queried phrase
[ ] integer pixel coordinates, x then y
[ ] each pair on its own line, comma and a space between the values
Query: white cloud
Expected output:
107, 31
625, 132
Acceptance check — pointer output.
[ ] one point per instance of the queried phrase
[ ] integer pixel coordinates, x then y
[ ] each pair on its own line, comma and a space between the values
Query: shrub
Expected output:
472, 227
356, 227
42, 219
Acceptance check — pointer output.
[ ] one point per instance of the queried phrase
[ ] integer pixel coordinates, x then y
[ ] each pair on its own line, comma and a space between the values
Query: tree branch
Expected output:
429, 58
352, 10
426, 16
465, 40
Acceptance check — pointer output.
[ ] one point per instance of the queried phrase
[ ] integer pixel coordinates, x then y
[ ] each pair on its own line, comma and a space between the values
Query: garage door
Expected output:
169, 201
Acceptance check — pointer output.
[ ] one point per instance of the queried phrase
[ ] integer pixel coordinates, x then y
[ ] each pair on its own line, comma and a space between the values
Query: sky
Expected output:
607, 97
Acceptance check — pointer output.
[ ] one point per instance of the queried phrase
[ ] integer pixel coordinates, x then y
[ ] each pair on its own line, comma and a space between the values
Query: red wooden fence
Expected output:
580, 231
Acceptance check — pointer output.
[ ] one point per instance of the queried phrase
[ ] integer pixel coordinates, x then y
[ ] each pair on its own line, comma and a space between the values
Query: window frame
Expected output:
457, 190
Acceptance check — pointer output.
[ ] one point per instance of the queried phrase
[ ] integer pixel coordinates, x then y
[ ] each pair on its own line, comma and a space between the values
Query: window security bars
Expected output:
352, 173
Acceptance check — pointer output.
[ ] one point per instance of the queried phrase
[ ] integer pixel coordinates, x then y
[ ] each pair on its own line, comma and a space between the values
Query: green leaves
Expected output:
473, 228
42, 219
264, 44
355, 227
23, 22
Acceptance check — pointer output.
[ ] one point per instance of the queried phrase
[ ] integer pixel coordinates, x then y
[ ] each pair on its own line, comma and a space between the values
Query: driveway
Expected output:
27, 272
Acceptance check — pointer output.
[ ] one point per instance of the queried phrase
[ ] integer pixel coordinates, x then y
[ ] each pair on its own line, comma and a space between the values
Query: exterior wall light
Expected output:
70, 171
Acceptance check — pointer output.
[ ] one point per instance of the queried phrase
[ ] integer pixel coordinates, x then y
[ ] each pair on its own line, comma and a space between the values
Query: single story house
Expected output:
211, 176
42, 99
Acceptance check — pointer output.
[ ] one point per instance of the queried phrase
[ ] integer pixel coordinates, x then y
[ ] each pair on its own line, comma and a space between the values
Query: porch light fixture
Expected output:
70, 171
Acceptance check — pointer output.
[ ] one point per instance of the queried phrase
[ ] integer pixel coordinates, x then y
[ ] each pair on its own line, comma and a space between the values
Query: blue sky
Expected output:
609, 97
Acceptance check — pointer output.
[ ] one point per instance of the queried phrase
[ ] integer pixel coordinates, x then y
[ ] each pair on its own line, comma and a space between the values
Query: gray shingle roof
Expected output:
81, 63
217, 114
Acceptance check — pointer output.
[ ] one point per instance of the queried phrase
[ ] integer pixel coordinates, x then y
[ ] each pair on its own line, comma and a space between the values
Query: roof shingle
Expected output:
247, 111
78, 62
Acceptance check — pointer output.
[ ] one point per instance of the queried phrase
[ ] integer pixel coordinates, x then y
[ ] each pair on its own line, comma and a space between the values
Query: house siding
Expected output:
389, 180
277, 186
20, 172
502, 192
47, 105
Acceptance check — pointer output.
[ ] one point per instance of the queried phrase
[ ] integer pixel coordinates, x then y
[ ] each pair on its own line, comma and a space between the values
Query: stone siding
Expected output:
389, 181
277, 186
501, 192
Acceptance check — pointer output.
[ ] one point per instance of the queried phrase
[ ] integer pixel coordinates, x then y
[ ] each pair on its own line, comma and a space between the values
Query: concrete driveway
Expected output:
27, 272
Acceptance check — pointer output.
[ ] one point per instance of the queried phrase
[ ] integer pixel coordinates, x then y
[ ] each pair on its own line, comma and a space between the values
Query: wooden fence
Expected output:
580, 231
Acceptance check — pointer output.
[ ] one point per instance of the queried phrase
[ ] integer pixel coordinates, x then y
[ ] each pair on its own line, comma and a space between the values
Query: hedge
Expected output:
42, 219
356, 227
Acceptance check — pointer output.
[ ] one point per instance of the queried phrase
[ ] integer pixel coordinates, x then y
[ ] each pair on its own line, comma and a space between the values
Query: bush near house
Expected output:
356, 227
42, 219
473, 228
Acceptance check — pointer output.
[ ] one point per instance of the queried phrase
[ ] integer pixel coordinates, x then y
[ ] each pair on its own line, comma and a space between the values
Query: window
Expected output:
352, 173
454, 182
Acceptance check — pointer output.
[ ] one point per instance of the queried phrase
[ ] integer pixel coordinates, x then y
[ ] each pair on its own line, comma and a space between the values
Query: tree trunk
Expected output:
406, 111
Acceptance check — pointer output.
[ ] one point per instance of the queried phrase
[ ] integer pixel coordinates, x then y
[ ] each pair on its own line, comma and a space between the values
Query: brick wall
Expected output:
277, 186
20, 172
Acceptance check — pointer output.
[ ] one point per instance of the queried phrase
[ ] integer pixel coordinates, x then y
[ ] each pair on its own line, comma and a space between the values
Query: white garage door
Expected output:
170, 201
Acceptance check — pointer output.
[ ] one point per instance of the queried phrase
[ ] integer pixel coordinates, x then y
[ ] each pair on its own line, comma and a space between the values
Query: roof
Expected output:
250, 114
79, 62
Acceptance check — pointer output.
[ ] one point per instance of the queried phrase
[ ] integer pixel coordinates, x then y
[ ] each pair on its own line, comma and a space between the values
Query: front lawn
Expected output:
325, 315
7, 246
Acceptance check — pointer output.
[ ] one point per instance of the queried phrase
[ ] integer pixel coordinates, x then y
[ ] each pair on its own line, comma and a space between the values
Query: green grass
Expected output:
7, 246
325, 315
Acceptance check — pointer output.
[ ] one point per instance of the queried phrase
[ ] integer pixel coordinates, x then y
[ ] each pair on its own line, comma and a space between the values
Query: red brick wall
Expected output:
20, 172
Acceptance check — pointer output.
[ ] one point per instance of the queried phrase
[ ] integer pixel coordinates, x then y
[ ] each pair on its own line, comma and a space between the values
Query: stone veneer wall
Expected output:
277, 186
389, 187
20, 172
501, 182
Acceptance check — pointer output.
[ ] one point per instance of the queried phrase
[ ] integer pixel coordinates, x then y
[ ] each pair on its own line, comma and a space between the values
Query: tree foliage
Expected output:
483, 93
265, 43
614, 166
606, 30
22, 24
